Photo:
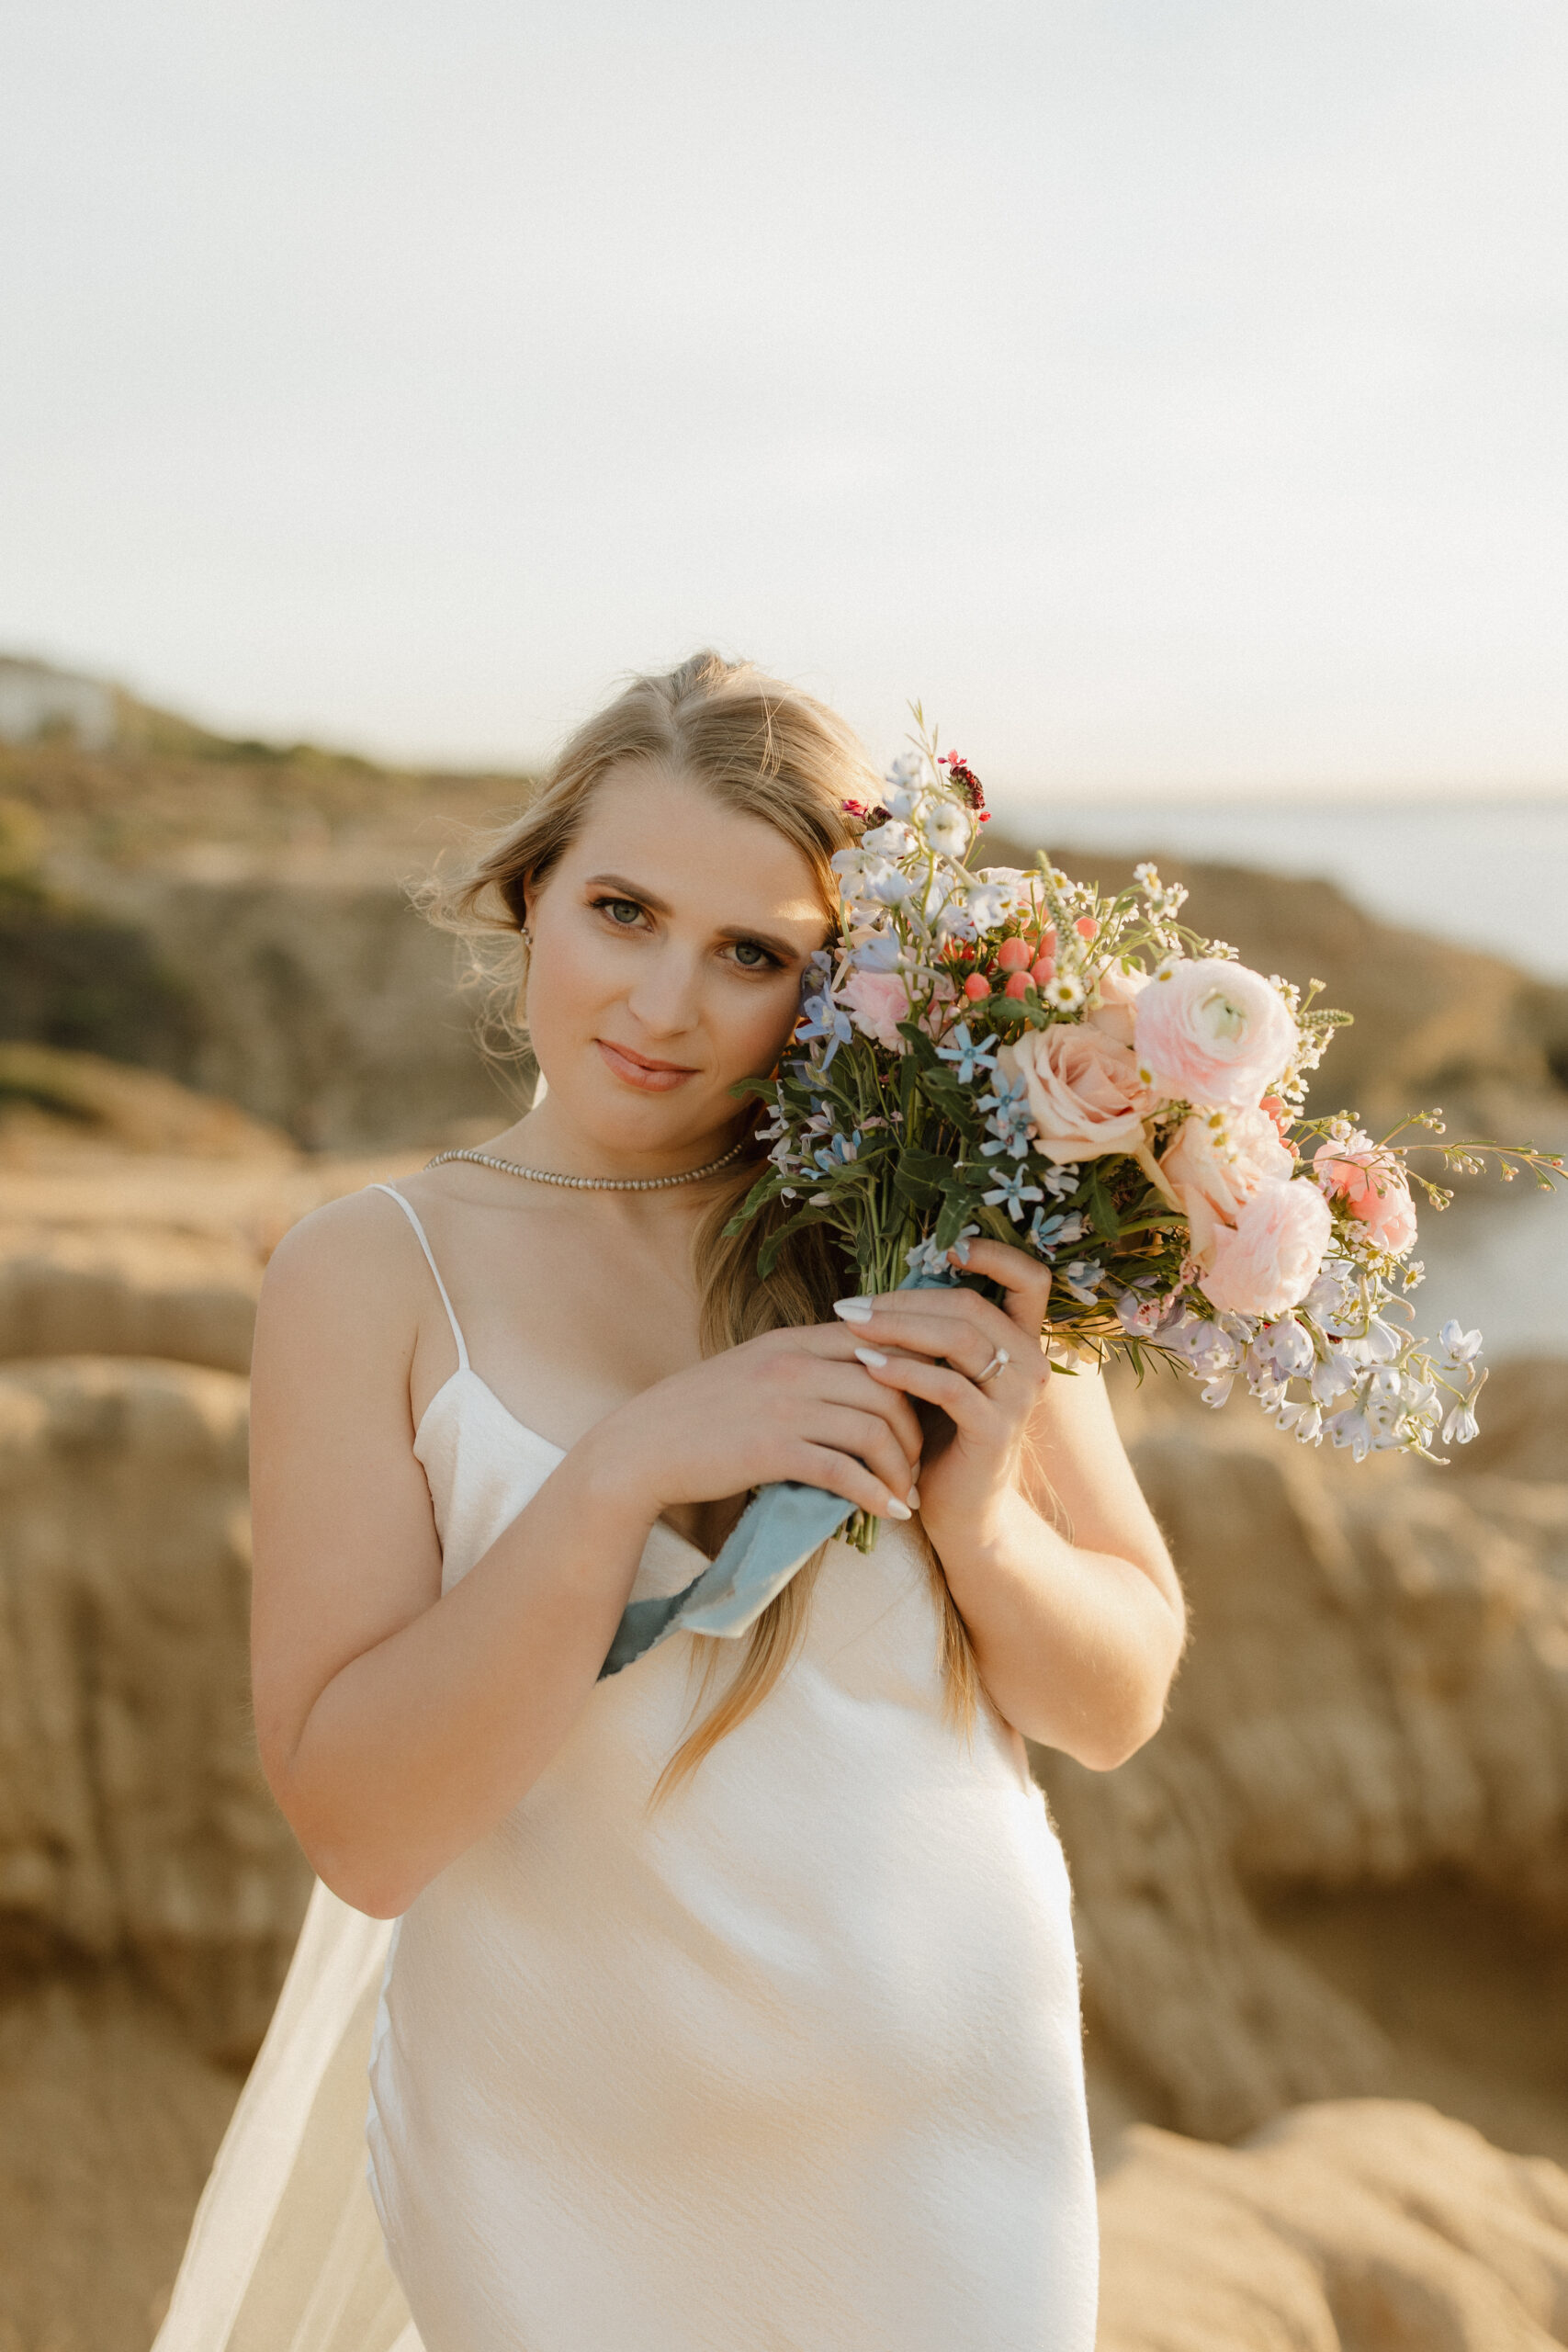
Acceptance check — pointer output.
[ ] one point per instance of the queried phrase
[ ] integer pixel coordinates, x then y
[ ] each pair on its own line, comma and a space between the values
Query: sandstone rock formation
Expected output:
1359, 2226
1366, 1756
132, 1817
49, 1096
126, 1290
329, 1006
109, 2119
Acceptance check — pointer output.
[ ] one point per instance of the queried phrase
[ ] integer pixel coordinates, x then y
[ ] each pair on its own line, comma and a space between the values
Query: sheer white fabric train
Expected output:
285, 2252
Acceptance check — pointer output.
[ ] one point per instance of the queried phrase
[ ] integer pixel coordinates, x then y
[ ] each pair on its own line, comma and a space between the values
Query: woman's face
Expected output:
667, 948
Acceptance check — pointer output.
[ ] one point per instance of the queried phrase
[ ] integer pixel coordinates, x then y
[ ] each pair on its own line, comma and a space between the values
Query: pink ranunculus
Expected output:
1083, 1089
1212, 1033
1118, 993
1267, 1260
877, 1002
1217, 1162
1373, 1187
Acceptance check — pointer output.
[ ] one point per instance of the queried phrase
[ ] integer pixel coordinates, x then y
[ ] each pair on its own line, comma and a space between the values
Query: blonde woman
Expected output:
732, 2001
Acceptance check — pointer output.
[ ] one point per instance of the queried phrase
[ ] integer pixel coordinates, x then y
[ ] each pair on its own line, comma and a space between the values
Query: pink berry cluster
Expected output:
1021, 965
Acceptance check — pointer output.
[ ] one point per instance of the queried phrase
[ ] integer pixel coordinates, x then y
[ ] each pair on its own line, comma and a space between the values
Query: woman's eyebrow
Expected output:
637, 890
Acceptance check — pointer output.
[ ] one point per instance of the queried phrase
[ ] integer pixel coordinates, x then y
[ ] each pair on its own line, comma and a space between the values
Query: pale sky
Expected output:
1172, 392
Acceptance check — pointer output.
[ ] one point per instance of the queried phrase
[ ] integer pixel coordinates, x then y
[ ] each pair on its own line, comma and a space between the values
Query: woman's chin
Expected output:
614, 1118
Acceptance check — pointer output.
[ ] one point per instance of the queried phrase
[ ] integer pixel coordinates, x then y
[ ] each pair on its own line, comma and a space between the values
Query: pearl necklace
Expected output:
593, 1183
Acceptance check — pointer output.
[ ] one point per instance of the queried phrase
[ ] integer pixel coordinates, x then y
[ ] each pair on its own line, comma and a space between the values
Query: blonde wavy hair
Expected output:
766, 750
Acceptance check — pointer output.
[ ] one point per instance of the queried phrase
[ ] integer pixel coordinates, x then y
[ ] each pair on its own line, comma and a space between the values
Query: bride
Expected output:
731, 2003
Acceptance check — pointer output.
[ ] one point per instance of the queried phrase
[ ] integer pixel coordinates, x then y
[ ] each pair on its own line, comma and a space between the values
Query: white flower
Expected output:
890, 888
1458, 1345
1304, 1422
1382, 1340
989, 904
1283, 1349
877, 951
947, 828
1355, 1429
1333, 1376
1334, 1294
954, 920
1014, 881
1065, 992
1459, 1426
851, 867
889, 841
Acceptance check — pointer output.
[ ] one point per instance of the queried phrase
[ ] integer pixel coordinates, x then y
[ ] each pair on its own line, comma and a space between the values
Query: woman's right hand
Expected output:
794, 1404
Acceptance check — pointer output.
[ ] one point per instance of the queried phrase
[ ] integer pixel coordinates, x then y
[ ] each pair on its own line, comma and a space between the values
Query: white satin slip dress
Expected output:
790, 2064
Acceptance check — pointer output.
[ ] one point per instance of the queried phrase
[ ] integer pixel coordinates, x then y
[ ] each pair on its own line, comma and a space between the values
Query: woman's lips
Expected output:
649, 1078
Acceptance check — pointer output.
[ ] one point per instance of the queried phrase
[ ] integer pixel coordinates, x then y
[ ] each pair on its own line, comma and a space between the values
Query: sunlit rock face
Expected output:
133, 1820
1354, 2226
126, 1290
1343, 1865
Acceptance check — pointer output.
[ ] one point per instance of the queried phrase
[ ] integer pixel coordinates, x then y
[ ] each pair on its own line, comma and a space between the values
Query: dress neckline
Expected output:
535, 1437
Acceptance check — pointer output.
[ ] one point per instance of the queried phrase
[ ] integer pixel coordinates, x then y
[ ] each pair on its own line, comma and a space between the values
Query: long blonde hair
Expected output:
766, 750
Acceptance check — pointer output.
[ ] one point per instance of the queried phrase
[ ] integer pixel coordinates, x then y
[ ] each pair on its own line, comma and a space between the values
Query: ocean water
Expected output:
1489, 872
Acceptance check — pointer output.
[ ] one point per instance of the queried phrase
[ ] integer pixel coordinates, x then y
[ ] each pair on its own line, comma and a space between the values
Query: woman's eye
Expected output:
755, 958
622, 912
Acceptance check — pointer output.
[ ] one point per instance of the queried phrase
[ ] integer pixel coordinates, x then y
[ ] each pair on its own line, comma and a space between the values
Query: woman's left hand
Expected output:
983, 1365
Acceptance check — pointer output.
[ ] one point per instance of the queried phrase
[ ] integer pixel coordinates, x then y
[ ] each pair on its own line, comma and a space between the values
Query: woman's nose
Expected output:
665, 998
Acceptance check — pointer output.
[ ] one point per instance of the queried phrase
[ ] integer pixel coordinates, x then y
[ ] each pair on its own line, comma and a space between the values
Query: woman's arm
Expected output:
398, 1726
1052, 1557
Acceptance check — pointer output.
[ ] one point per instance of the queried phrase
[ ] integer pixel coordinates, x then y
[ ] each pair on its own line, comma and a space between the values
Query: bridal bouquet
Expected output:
986, 1050
993, 1051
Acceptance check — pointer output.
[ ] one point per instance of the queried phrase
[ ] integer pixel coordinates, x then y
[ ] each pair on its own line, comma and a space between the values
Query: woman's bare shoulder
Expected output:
358, 1250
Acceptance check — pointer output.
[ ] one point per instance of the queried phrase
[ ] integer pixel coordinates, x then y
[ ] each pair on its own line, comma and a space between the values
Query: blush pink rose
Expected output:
1267, 1260
877, 1002
1212, 1033
1117, 994
1372, 1185
1217, 1163
1084, 1096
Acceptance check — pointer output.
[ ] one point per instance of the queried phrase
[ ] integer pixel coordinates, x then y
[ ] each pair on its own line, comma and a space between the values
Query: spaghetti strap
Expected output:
412, 1214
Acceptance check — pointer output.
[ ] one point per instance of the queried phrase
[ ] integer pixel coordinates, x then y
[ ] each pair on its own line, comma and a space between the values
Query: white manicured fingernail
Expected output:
853, 1311
895, 1510
870, 1356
